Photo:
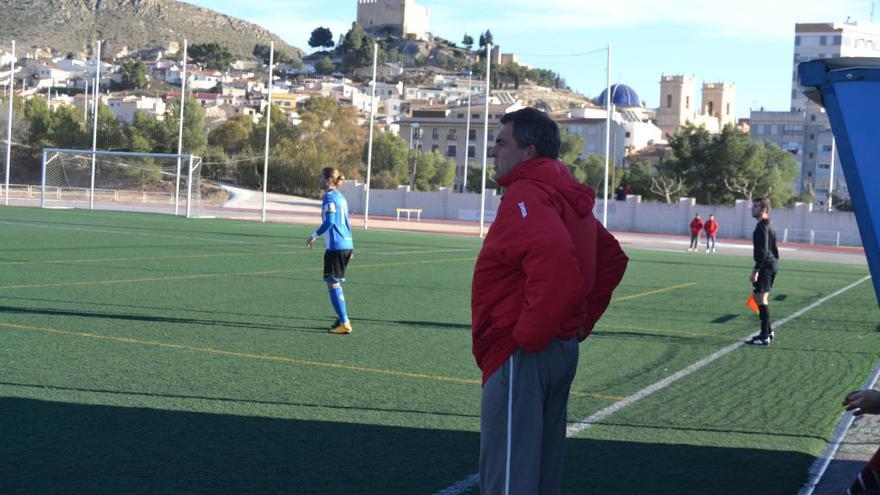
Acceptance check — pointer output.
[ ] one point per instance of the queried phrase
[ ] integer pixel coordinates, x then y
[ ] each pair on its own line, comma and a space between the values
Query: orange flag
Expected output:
751, 304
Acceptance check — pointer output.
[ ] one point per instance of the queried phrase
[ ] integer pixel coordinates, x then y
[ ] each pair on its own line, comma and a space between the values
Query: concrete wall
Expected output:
802, 222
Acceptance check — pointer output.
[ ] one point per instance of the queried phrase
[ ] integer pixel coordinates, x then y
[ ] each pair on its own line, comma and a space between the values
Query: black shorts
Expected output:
335, 262
766, 276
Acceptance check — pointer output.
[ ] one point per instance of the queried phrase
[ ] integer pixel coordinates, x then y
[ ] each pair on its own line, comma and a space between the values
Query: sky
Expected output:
746, 42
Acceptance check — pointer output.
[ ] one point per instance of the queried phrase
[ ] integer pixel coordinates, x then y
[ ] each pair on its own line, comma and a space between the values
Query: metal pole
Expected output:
11, 95
467, 135
180, 130
607, 139
95, 126
189, 182
831, 174
370, 142
485, 143
42, 182
86, 104
268, 126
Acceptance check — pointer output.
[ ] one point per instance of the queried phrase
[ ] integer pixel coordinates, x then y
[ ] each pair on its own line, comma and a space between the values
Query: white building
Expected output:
125, 107
825, 40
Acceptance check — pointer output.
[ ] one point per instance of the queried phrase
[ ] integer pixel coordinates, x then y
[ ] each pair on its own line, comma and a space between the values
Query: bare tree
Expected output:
667, 187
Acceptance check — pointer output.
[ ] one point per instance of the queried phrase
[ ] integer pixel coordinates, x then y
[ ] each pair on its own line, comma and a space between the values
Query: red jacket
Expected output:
711, 227
547, 267
696, 226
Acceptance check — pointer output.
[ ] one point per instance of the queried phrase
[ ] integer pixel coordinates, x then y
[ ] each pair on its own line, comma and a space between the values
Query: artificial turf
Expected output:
155, 354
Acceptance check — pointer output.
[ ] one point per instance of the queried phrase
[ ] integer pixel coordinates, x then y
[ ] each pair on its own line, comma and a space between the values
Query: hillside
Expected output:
126, 26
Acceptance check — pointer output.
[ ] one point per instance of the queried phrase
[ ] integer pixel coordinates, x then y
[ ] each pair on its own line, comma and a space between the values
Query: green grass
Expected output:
148, 353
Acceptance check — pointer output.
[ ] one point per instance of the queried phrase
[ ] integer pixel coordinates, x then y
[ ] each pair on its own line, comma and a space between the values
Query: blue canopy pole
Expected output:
849, 89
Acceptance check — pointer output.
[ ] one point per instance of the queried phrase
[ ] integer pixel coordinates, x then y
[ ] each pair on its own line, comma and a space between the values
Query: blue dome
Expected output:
623, 96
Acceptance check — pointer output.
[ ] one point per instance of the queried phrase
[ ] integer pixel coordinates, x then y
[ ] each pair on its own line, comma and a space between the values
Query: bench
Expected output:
409, 212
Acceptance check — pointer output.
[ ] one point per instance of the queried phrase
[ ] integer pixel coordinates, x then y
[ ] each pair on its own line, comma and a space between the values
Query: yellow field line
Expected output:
264, 357
218, 275
661, 331
148, 258
652, 292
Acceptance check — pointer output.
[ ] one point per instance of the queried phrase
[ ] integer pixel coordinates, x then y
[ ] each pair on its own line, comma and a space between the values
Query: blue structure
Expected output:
622, 96
849, 89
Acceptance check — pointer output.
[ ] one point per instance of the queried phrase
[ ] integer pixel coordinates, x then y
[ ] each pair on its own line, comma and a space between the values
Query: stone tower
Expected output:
677, 103
719, 102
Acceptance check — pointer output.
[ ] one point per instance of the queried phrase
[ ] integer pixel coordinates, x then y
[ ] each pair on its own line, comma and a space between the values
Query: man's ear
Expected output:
531, 151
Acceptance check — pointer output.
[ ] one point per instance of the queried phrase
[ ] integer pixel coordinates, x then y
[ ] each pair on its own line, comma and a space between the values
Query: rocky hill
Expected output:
63, 26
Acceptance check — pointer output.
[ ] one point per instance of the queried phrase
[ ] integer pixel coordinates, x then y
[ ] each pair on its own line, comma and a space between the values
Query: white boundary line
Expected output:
472, 480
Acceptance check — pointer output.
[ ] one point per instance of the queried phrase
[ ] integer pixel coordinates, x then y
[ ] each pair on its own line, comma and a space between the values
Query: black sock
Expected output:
764, 313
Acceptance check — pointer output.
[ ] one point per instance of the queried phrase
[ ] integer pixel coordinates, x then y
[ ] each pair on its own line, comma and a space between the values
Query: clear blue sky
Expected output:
747, 42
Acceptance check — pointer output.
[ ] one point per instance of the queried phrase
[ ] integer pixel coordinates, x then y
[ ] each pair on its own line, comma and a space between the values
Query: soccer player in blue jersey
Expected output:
338, 243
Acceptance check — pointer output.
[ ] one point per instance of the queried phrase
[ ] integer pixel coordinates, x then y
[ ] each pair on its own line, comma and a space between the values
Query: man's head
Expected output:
711, 217
698, 216
524, 134
760, 207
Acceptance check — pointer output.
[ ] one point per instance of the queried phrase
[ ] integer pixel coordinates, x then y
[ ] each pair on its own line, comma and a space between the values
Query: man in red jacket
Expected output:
696, 227
543, 278
711, 227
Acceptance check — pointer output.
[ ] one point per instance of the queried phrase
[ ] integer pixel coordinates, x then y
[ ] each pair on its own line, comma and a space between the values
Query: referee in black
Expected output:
766, 266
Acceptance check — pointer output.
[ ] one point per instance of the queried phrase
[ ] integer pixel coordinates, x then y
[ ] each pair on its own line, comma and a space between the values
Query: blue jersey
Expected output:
335, 229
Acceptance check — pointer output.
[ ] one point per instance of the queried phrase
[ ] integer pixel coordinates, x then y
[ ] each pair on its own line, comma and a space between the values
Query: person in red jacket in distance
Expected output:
696, 226
711, 227
543, 278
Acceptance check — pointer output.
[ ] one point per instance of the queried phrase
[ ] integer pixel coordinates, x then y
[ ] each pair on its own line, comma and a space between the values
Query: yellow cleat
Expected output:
341, 329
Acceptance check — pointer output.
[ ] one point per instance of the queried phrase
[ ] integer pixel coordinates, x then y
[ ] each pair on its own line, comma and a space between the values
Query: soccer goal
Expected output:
117, 180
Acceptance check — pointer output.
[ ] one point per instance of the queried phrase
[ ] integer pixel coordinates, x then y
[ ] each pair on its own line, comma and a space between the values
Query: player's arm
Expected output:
611, 264
329, 215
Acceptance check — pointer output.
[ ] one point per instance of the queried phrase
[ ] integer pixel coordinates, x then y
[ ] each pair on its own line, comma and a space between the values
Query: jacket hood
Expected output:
555, 174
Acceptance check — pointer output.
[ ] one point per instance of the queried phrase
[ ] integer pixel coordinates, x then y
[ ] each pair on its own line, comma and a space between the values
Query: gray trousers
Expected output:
523, 415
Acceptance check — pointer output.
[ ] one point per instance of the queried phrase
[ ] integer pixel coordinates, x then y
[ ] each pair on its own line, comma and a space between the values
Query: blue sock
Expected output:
338, 301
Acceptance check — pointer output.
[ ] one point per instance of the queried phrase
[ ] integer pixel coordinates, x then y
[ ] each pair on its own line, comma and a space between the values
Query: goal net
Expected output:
116, 180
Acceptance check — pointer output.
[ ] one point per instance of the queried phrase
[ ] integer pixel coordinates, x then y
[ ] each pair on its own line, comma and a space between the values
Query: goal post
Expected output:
121, 180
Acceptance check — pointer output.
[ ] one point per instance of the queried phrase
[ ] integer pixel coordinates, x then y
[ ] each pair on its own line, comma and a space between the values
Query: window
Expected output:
711, 108
451, 151
687, 101
812, 137
811, 155
475, 115
451, 135
472, 134
591, 131
797, 41
472, 151
417, 133
823, 166
491, 136
759, 129
727, 109
435, 147
823, 40
461, 115
435, 133
837, 40
826, 147
813, 117
774, 129
668, 101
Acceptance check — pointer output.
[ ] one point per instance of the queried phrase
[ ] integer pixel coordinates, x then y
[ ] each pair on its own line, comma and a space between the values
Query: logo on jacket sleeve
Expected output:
522, 208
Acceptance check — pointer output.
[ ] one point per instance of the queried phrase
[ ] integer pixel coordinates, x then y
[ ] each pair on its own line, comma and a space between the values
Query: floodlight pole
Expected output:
607, 140
180, 130
830, 172
86, 104
467, 135
370, 138
268, 126
95, 126
9, 123
485, 142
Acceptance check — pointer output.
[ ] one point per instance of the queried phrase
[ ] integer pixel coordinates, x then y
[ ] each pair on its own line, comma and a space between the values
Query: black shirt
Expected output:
764, 245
